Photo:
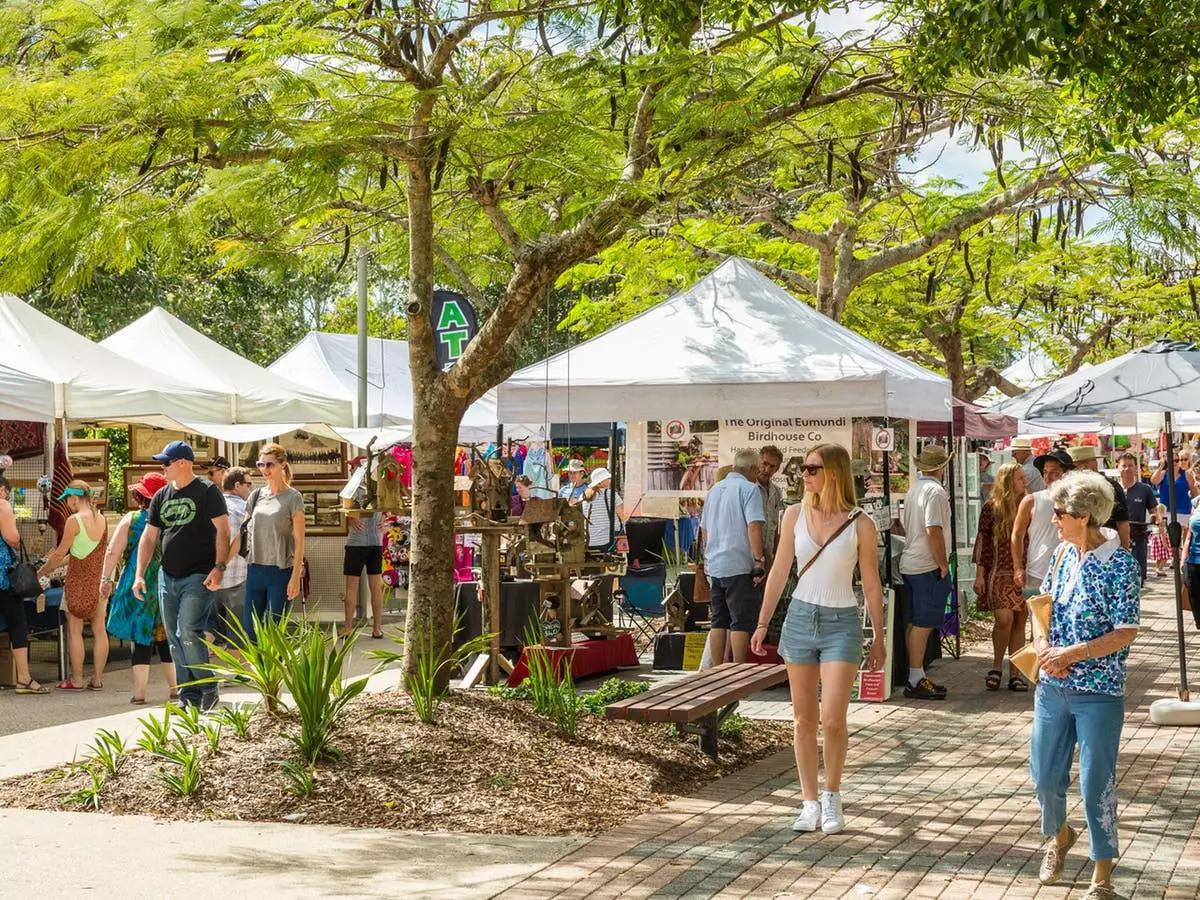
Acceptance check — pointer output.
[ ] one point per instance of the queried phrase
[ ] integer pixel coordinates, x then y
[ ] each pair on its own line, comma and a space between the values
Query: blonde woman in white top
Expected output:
822, 638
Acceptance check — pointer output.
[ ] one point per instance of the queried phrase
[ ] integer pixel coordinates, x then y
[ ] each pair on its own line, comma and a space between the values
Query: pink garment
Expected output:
464, 558
403, 455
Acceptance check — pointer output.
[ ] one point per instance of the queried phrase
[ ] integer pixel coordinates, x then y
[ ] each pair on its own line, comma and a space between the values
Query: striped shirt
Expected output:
600, 530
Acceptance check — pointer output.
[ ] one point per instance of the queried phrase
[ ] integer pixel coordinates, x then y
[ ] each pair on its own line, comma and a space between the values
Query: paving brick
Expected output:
938, 802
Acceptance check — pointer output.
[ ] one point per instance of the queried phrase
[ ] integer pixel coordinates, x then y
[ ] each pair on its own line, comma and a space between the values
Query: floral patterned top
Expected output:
1106, 596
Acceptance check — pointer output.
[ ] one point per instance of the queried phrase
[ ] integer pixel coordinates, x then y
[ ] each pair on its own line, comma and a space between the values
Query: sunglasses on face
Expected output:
1062, 514
266, 464
810, 470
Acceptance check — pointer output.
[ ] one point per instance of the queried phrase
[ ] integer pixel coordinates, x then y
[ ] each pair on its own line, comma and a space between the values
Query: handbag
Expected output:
22, 576
244, 529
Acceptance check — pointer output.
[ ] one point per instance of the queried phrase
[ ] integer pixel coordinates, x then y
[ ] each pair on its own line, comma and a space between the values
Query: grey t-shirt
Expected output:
370, 536
272, 541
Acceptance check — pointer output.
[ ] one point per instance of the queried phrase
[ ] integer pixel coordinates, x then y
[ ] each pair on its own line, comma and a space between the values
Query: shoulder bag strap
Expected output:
833, 537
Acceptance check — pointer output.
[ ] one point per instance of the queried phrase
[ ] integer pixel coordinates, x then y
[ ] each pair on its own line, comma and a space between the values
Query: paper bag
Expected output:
1026, 658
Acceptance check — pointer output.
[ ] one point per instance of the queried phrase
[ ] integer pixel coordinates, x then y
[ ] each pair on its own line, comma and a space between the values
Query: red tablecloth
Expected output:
588, 658
769, 656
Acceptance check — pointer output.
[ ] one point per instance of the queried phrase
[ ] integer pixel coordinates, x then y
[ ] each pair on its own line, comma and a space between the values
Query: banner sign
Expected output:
454, 325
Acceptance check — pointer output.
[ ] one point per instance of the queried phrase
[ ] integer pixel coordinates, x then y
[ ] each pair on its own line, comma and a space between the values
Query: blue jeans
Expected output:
266, 589
1063, 717
186, 607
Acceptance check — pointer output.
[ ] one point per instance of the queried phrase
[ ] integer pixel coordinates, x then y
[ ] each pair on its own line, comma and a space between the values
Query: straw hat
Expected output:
1083, 454
1021, 444
932, 458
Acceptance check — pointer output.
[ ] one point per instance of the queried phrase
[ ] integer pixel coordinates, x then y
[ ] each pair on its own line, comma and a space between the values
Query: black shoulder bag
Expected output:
244, 531
22, 576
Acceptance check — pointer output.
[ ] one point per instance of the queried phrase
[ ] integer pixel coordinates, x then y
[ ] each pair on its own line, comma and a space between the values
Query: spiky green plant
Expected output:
312, 672
257, 663
156, 733
109, 750
301, 777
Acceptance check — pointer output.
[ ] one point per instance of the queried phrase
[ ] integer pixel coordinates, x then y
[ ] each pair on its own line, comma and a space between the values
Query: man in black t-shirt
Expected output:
190, 516
1142, 502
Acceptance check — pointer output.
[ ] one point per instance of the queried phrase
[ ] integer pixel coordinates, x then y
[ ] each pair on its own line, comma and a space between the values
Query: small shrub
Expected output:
258, 664
312, 672
110, 751
301, 777
88, 796
429, 684
156, 733
184, 779
188, 720
238, 718
610, 691
733, 727
520, 692
212, 735
553, 696
499, 781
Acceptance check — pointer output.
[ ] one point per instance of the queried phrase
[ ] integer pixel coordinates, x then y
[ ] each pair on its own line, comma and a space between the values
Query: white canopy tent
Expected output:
25, 398
259, 403
329, 362
735, 344
90, 383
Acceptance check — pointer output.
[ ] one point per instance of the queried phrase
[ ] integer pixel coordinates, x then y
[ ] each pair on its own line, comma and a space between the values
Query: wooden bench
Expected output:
697, 704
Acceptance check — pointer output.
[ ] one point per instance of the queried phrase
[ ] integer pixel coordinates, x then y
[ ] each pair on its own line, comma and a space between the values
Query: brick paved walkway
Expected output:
938, 803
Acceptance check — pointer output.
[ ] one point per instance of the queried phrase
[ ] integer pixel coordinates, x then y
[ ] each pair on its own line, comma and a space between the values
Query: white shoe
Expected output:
809, 818
832, 819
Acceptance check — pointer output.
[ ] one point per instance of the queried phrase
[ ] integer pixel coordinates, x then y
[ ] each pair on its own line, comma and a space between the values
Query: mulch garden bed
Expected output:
489, 765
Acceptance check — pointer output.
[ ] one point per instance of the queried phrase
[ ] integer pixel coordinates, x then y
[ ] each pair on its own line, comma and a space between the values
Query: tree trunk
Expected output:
826, 275
431, 565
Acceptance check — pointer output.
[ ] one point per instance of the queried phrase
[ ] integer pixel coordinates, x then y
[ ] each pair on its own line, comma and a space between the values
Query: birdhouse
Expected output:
389, 488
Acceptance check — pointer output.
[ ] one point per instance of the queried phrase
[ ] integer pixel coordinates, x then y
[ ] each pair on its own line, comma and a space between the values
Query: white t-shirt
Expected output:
925, 505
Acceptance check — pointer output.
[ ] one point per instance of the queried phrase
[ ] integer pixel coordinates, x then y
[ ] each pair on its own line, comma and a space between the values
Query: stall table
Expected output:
587, 658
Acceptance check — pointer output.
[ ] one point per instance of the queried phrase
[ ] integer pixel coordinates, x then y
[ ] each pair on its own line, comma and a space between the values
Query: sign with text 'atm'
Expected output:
454, 325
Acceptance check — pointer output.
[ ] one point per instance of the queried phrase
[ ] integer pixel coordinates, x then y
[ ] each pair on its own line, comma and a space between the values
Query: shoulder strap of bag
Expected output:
833, 537
250, 501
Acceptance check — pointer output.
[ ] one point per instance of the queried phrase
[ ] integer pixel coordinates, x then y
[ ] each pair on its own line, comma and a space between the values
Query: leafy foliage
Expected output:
258, 663
551, 685
109, 751
610, 691
182, 775
301, 777
312, 671
88, 796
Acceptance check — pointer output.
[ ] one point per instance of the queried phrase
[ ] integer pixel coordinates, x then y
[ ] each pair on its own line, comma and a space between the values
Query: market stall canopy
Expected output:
973, 422
259, 403
1131, 390
329, 363
735, 344
90, 382
25, 398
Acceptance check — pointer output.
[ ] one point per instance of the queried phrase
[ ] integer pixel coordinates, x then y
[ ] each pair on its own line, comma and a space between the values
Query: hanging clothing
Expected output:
129, 618
537, 467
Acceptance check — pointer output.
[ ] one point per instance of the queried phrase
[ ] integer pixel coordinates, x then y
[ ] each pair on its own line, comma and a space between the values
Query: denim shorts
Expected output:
927, 595
815, 634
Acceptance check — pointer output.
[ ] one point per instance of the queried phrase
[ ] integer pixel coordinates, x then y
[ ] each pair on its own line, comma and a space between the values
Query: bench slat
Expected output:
664, 711
668, 695
715, 700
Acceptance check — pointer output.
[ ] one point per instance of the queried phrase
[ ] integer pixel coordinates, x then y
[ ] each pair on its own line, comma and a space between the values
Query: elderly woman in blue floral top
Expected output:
1095, 586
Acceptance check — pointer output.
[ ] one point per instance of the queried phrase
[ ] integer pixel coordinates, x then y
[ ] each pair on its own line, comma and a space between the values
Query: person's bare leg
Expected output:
1002, 632
21, 662
75, 648
915, 641
740, 642
169, 674
351, 603
375, 583
141, 681
802, 679
1017, 639
99, 644
1102, 871
716, 645
837, 680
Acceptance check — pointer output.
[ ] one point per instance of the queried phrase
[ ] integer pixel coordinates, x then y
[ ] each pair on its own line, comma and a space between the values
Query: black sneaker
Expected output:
209, 701
924, 690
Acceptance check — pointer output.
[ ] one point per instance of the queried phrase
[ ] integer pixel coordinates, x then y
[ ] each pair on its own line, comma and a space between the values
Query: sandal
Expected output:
136, 702
993, 679
1018, 684
174, 695
92, 686
69, 685
26, 687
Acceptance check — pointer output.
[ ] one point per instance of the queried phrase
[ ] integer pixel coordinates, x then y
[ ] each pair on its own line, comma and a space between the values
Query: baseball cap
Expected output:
219, 462
149, 485
175, 450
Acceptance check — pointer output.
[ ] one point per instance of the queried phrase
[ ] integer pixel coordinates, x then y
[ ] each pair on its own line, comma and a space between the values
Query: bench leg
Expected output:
709, 728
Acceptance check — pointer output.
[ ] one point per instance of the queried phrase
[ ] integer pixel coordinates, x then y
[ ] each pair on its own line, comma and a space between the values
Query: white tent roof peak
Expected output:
253, 395
732, 345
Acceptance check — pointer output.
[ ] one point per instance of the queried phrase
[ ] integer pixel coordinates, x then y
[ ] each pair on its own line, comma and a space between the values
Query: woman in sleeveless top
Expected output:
822, 638
82, 546
130, 619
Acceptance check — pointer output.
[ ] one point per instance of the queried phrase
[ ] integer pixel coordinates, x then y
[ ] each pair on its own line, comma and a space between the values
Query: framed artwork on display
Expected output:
89, 459
314, 457
322, 507
145, 441
973, 508
972, 468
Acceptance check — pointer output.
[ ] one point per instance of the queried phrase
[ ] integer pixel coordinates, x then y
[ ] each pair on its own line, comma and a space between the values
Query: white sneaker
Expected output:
809, 818
832, 819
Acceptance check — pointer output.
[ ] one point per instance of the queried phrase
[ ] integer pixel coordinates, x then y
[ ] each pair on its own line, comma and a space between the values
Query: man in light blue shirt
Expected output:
575, 481
731, 526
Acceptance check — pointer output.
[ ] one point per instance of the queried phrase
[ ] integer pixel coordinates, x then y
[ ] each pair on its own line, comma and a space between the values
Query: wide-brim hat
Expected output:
599, 475
1021, 444
1083, 453
932, 458
1059, 456
149, 485
575, 465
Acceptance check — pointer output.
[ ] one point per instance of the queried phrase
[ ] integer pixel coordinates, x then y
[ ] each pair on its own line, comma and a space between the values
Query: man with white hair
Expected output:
731, 530
1022, 454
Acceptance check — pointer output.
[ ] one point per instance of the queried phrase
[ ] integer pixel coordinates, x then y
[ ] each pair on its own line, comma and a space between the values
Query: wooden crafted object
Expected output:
390, 493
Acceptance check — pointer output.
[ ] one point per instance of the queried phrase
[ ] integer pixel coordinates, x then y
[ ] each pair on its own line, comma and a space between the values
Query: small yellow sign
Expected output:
693, 649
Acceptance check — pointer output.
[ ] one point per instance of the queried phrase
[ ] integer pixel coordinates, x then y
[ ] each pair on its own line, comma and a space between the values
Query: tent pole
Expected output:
887, 501
1174, 529
952, 544
361, 417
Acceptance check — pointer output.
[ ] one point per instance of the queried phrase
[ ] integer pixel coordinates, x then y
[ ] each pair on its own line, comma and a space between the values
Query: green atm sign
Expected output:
453, 325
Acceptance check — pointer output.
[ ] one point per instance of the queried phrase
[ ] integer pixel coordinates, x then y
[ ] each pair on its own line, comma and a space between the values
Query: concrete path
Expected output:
938, 803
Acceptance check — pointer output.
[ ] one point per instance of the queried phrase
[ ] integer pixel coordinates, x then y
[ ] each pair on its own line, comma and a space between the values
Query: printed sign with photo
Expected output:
88, 459
145, 441
313, 456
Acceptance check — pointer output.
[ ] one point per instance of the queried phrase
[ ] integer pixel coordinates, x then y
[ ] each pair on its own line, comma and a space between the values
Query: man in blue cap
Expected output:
190, 516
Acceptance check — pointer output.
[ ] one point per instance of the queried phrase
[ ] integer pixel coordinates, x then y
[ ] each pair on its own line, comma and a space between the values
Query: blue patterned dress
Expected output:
129, 618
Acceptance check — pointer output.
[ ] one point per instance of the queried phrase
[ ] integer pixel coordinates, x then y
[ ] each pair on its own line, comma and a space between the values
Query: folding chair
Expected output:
641, 597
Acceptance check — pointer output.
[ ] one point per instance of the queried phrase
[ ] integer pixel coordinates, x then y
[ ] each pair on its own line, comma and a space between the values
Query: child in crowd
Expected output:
1160, 545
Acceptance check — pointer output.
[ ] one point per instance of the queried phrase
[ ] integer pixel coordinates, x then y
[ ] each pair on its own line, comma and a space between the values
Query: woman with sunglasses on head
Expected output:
82, 547
138, 621
822, 637
275, 526
1094, 584
12, 607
